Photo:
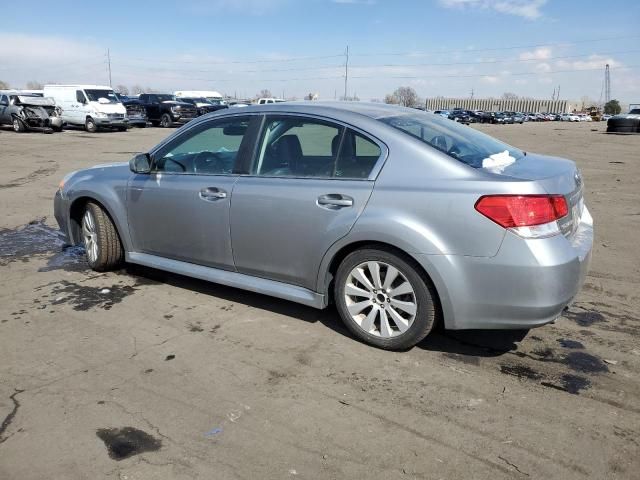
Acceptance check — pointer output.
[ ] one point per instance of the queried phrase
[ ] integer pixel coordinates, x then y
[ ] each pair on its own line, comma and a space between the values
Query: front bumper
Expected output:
111, 122
60, 211
528, 283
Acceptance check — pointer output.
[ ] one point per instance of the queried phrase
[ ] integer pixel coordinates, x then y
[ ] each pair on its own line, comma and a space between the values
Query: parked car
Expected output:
402, 219
165, 110
212, 96
516, 117
442, 113
90, 106
136, 113
203, 105
28, 111
268, 101
569, 117
625, 122
606, 117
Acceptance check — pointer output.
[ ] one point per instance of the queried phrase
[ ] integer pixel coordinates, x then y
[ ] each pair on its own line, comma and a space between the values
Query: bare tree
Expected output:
265, 93
405, 96
391, 98
4, 85
509, 96
33, 85
122, 89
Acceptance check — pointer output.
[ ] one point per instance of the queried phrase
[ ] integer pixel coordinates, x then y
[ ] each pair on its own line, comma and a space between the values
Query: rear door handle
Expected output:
211, 194
334, 201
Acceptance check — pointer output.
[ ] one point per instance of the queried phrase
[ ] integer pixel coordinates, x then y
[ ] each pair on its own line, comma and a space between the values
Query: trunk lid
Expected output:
556, 176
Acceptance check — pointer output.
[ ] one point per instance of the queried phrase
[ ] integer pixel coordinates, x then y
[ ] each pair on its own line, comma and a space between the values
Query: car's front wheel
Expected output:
101, 240
383, 299
166, 121
90, 125
18, 126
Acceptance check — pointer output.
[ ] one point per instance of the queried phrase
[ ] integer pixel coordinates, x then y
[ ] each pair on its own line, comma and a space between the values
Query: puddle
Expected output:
567, 343
585, 362
71, 258
585, 318
83, 297
569, 383
520, 371
126, 442
35, 238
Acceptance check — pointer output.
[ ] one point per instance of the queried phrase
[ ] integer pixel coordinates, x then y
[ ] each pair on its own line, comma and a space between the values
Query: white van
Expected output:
267, 101
214, 97
92, 106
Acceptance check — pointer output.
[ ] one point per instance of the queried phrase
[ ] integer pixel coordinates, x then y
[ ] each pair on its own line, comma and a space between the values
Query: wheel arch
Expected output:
76, 210
332, 261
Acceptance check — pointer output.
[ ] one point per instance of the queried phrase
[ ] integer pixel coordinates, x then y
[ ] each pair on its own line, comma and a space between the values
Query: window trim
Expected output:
373, 175
199, 127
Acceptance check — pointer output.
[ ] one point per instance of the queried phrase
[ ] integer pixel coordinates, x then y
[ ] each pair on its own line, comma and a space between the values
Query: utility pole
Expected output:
558, 94
109, 65
471, 93
553, 95
607, 84
346, 72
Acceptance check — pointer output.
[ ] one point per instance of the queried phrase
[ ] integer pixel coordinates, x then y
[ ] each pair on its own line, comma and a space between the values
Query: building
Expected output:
499, 105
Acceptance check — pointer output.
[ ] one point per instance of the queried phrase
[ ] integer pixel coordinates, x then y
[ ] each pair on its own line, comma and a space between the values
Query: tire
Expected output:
166, 121
90, 125
122, 129
100, 238
56, 129
155, 123
412, 308
18, 125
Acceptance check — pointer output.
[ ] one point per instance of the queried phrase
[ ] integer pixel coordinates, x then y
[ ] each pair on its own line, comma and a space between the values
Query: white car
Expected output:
570, 117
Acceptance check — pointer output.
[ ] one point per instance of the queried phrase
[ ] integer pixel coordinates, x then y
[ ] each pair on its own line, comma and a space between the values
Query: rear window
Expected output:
463, 143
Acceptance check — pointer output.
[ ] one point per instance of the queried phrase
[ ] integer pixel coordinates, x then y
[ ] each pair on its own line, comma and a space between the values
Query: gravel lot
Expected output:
144, 375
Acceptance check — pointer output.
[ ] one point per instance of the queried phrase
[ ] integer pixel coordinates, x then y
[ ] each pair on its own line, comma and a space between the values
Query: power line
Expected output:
480, 75
491, 49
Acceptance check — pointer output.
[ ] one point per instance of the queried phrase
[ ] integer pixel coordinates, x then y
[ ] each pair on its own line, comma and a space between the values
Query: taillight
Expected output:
527, 215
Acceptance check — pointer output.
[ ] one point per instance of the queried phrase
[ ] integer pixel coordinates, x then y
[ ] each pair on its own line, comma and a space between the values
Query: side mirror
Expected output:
141, 163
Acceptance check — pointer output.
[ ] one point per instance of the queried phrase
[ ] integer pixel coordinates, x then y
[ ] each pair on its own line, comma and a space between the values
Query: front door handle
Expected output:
334, 201
211, 194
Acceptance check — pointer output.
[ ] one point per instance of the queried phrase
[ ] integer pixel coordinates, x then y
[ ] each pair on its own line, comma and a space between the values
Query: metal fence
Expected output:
497, 105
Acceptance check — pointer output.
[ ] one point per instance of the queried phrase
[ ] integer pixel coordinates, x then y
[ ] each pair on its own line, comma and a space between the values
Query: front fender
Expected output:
106, 186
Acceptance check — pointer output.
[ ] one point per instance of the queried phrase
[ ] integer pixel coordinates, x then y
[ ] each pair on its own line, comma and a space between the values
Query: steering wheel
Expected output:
207, 162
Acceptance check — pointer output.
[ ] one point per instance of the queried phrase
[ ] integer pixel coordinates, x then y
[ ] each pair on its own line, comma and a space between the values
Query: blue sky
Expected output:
439, 47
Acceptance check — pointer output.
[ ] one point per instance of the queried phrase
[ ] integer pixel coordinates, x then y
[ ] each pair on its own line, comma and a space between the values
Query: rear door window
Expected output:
298, 147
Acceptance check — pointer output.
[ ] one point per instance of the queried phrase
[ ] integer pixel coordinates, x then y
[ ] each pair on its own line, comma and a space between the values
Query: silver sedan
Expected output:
400, 218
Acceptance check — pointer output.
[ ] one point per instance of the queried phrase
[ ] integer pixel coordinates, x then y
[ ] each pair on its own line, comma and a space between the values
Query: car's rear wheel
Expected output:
383, 299
18, 126
166, 121
101, 240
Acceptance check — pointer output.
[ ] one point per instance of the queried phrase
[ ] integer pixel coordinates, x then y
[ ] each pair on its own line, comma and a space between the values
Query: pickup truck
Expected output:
164, 110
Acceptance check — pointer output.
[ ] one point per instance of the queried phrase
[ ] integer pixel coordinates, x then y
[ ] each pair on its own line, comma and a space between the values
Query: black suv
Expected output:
163, 109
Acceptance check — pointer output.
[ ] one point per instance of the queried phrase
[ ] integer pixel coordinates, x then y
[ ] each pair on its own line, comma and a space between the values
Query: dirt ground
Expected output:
142, 375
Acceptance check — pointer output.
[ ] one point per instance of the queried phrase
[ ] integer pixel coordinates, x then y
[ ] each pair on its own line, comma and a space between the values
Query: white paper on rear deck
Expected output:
497, 162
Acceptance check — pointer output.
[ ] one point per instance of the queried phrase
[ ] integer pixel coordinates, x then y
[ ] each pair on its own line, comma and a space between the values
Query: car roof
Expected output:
368, 109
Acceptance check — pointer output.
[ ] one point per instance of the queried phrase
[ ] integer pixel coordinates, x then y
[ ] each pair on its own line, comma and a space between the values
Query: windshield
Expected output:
200, 100
96, 95
215, 100
460, 142
165, 98
635, 111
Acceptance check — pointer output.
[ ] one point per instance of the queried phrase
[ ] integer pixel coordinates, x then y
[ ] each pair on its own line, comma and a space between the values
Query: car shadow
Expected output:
470, 343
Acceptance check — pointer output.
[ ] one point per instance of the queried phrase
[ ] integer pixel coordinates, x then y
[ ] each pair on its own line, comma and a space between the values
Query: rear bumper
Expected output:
527, 284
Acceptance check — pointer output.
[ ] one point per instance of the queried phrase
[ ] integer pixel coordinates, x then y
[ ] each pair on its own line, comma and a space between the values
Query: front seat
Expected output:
282, 157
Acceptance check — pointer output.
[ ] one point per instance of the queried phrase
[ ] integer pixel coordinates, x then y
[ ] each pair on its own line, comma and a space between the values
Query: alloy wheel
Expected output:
380, 299
90, 236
